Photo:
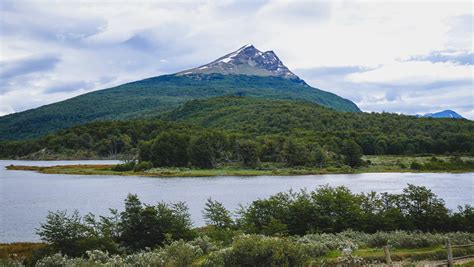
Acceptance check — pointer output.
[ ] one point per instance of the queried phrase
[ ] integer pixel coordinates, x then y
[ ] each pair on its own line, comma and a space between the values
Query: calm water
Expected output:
26, 197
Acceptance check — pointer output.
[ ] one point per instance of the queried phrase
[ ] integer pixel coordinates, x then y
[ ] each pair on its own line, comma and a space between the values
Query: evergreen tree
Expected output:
352, 153
216, 214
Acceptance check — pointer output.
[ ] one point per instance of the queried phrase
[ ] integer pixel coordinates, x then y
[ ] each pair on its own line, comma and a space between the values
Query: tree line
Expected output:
325, 210
243, 129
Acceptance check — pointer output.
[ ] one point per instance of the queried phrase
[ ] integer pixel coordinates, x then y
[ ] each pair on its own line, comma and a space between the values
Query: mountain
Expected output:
443, 114
247, 60
246, 71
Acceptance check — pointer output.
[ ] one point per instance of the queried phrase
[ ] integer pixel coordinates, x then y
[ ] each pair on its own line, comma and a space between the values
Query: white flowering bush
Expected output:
219, 258
348, 239
257, 250
206, 244
11, 262
350, 260
178, 253
403, 239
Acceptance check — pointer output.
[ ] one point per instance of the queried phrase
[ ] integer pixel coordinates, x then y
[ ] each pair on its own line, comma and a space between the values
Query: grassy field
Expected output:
377, 164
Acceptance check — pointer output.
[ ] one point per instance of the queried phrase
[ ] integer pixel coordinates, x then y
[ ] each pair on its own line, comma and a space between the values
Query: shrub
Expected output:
415, 165
205, 243
142, 166
180, 253
258, 250
124, 167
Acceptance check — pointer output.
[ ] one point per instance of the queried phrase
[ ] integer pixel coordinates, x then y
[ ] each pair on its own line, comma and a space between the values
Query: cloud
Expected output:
395, 56
414, 72
331, 71
457, 57
11, 69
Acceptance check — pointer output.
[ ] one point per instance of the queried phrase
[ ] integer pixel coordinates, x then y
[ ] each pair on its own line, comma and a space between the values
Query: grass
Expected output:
378, 164
376, 255
18, 251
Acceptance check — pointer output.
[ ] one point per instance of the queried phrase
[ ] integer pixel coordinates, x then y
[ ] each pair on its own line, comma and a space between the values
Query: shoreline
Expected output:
105, 169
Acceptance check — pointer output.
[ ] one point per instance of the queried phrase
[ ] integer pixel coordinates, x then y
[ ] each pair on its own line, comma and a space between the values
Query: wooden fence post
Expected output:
450, 253
388, 259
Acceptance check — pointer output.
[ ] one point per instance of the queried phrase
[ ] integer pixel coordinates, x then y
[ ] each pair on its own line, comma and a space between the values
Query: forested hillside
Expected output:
376, 133
149, 97
227, 129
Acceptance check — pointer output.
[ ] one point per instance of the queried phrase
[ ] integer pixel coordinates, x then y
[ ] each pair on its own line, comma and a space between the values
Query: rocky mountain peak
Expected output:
246, 60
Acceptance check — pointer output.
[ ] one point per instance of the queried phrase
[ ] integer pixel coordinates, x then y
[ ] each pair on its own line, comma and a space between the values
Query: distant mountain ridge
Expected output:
443, 114
247, 71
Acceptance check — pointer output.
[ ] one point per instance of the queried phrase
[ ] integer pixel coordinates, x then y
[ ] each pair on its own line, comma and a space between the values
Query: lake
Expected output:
26, 197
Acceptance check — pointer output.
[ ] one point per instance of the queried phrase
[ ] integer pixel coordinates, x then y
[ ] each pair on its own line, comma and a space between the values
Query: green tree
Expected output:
425, 210
63, 231
336, 209
201, 151
143, 226
216, 214
318, 157
248, 153
295, 153
170, 148
352, 153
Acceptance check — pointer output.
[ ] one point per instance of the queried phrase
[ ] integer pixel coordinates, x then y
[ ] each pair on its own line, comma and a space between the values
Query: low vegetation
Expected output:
372, 164
327, 225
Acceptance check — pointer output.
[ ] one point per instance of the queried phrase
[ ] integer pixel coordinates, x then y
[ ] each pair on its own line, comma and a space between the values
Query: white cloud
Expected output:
414, 72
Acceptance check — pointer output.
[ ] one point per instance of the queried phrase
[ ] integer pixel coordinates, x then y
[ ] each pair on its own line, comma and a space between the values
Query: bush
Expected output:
180, 253
415, 165
142, 166
258, 250
124, 167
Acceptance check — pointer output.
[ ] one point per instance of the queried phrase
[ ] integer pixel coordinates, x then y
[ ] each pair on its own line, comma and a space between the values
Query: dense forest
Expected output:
286, 229
147, 98
207, 133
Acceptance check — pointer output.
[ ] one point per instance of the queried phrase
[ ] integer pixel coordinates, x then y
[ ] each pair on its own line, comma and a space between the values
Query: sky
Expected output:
402, 57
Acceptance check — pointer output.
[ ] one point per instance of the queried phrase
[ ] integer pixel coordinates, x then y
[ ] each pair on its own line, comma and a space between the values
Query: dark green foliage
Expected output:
375, 133
329, 209
216, 214
415, 165
202, 151
427, 212
352, 153
74, 235
303, 215
318, 157
137, 227
63, 231
143, 226
247, 151
294, 153
294, 133
463, 219
170, 149
146, 98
